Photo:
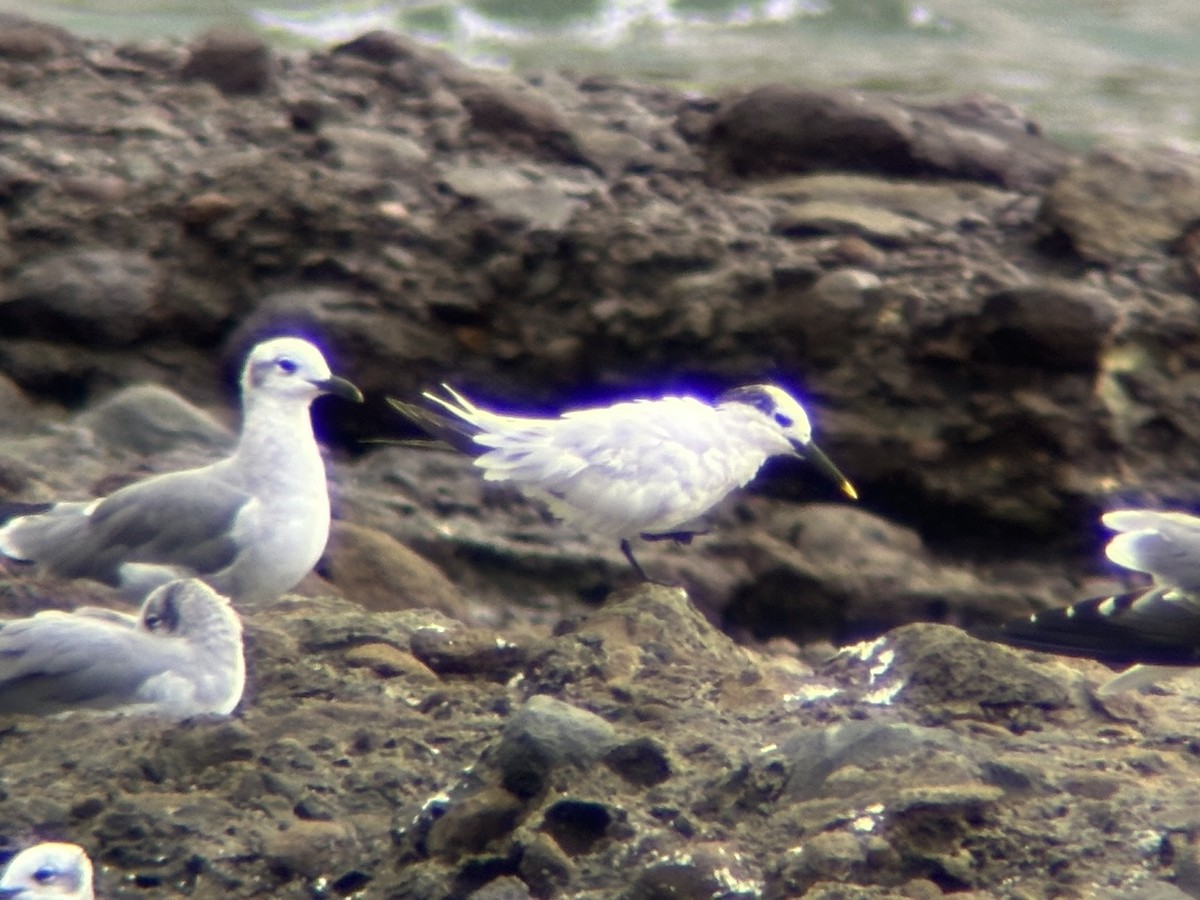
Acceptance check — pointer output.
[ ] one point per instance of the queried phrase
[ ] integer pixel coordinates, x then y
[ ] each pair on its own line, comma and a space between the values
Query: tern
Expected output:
641, 468
1156, 630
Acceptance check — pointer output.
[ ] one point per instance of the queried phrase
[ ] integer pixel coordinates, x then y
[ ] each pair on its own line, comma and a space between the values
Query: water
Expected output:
1086, 69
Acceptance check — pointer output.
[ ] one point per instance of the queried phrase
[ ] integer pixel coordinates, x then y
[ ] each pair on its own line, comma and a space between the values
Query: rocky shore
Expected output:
998, 339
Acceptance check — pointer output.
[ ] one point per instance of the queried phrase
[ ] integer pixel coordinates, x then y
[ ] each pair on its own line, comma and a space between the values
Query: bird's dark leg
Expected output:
628, 551
680, 537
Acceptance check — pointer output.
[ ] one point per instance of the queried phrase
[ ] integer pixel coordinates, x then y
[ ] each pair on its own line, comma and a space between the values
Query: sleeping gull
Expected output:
180, 656
251, 525
1157, 628
49, 871
643, 468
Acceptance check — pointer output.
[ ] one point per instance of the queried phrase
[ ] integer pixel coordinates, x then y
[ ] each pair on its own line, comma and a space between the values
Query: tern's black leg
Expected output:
628, 551
680, 537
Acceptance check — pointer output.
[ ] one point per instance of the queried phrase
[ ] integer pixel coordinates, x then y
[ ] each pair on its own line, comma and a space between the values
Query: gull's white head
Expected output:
186, 607
49, 872
784, 415
292, 368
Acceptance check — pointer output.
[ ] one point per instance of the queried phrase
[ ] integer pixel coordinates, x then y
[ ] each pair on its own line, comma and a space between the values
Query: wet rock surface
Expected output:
997, 340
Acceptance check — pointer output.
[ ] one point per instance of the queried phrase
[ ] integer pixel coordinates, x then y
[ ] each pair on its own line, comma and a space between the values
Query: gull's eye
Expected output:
783, 421
287, 366
45, 876
153, 621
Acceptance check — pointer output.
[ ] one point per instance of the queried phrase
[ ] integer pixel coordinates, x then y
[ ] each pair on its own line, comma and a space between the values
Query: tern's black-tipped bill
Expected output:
825, 466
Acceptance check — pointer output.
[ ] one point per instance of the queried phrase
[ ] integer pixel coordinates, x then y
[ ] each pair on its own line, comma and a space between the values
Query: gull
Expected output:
49, 871
251, 525
643, 468
180, 656
1157, 628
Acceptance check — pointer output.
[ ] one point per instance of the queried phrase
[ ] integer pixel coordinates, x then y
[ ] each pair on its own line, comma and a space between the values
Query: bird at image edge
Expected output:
1155, 630
49, 871
640, 468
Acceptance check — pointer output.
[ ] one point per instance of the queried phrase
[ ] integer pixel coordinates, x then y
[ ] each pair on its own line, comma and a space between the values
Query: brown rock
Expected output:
23, 40
523, 118
237, 62
204, 209
1116, 205
780, 128
471, 823
311, 847
387, 661
378, 572
459, 650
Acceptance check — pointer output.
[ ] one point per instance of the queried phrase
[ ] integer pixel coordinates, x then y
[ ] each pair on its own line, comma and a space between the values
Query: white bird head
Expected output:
784, 415
187, 606
49, 871
288, 367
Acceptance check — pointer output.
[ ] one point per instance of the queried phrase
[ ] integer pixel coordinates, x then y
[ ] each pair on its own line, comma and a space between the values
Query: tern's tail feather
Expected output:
458, 430
1159, 627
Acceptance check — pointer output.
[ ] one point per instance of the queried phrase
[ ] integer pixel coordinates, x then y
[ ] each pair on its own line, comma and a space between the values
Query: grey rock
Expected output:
507, 887
832, 217
942, 204
826, 569
148, 419
546, 734
780, 128
381, 154
835, 856
515, 194
813, 754
708, 871
1004, 685
1049, 324
100, 296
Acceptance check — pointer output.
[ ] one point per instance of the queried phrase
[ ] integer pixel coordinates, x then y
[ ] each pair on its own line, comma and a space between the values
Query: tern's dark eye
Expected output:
783, 421
153, 620
287, 366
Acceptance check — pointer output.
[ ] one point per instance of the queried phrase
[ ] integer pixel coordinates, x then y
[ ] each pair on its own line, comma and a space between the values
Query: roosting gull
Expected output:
645, 468
251, 525
49, 871
1158, 627
180, 656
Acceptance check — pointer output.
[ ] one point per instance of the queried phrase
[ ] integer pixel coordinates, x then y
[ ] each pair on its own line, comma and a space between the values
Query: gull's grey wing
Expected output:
1163, 544
55, 661
180, 519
